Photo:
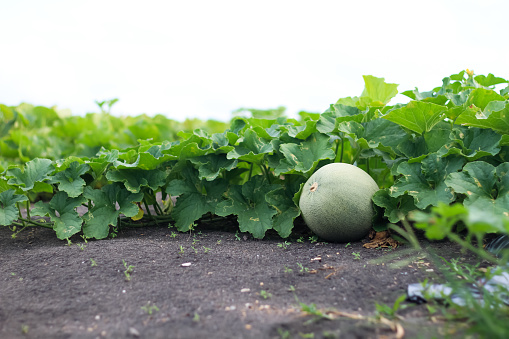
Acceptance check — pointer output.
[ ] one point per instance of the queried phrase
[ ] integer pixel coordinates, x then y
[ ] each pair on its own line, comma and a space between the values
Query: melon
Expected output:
336, 202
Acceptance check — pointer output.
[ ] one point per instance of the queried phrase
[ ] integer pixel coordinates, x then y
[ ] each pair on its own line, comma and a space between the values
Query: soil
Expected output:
212, 283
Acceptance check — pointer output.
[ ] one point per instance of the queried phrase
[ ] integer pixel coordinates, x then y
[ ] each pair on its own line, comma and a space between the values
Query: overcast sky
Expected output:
205, 59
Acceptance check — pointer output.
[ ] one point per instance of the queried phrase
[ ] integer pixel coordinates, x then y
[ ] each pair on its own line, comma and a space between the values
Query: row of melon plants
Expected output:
448, 145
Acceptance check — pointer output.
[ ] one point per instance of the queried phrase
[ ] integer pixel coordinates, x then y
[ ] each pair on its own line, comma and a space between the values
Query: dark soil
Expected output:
234, 287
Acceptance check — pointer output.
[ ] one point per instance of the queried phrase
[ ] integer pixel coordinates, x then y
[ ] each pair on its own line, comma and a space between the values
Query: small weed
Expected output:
284, 334
195, 241
347, 245
206, 249
13, 274
24, 329
128, 270
194, 249
307, 335
312, 310
288, 270
389, 312
92, 262
69, 242
356, 255
291, 288
218, 242
181, 251
302, 269
149, 309
196, 317
237, 236
300, 240
313, 239
81, 246
284, 245
173, 235
265, 295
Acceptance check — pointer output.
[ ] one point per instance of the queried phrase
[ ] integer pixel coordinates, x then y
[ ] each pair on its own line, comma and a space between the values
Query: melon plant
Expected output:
336, 202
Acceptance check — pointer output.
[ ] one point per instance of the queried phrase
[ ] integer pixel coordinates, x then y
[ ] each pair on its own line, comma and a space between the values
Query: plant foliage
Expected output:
447, 145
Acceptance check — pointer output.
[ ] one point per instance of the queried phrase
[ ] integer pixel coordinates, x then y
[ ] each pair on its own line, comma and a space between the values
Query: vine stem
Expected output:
35, 223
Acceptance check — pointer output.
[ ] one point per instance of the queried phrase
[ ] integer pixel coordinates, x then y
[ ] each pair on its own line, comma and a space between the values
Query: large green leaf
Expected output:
252, 148
8, 208
378, 90
195, 197
67, 222
70, 181
329, 120
34, 171
395, 208
282, 199
481, 97
417, 116
474, 143
134, 179
489, 80
497, 121
483, 185
248, 203
104, 211
425, 181
211, 165
303, 157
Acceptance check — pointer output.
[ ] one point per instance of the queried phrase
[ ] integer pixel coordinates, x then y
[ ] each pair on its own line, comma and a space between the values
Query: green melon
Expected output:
336, 202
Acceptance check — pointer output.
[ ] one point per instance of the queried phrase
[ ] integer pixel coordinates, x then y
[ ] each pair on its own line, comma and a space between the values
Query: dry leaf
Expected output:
381, 239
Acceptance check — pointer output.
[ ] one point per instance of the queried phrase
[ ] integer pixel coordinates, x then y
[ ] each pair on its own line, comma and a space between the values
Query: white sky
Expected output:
205, 59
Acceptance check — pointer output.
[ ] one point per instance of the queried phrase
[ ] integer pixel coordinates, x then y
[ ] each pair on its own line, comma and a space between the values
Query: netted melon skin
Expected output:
336, 202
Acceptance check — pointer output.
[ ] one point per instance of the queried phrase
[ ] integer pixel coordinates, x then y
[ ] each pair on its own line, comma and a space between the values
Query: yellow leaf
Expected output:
139, 215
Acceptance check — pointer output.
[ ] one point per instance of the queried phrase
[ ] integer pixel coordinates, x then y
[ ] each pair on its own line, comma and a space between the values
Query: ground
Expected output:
213, 283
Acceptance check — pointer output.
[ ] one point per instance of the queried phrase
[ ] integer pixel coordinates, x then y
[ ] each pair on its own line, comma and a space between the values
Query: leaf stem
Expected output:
148, 211
342, 149
28, 209
265, 171
250, 171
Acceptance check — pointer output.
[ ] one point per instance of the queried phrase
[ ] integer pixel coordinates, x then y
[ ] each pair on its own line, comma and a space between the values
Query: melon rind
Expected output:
336, 202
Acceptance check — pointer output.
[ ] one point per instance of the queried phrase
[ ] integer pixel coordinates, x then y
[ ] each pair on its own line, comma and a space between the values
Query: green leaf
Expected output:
252, 148
70, 181
282, 199
152, 156
330, 119
497, 121
417, 116
378, 90
134, 179
8, 208
489, 80
395, 208
303, 157
67, 222
211, 165
104, 211
475, 143
248, 203
301, 132
481, 97
195, 197
34, 171
425, 181
484, 186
